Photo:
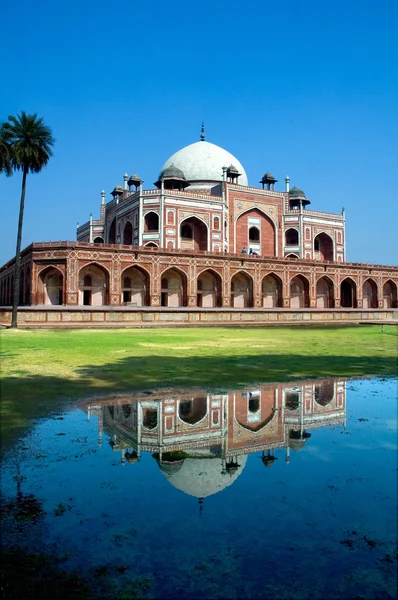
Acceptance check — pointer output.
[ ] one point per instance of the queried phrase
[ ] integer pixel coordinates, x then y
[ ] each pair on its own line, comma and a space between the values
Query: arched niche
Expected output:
93, 285
112, 233
323, 247
209, 289
390, 294
324, 293
21, 286
173, 288
299, 292
51, 284
291, 237
27, 287
324, 393
272, 291
348, 293
151, 222
193, 234
241, 290
149, 418
369, 294
135, 287
292, 400
192, 411
128, 234
98, 240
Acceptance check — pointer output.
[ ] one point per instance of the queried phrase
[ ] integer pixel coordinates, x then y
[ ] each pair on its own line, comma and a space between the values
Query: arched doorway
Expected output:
272, 291
209, 290
389, 294
192, 411
369, 293
52, 285
128, 234
193, 234
173, 289
348, 293
135, 287
324, 293
323, 247
241, 291
255, 230
291, 237
112, 233
151, 222
98, 240
291, 256
299, 292
93, 286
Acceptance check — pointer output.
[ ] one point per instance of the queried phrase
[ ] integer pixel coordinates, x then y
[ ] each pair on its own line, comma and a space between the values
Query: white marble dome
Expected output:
202, 164
202, 477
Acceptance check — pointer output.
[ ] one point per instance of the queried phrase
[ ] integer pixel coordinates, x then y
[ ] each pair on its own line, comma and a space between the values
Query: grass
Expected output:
41, 370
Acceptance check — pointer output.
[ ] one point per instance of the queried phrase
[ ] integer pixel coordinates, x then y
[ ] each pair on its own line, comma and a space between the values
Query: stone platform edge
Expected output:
108, 316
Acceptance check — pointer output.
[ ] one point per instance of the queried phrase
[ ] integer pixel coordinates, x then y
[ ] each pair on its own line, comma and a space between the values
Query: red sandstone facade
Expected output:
205, 240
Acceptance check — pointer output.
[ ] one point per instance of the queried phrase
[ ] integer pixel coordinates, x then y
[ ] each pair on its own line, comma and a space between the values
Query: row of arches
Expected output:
7, 288
253, 229
135, 289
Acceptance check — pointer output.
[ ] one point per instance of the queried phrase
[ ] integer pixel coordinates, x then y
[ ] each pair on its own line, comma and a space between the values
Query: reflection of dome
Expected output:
202, 477
203, 162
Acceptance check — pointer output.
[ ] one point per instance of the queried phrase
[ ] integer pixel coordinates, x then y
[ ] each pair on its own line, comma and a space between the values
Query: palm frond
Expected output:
31, 142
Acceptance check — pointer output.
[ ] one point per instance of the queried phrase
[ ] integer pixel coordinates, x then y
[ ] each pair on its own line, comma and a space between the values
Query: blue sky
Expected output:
303, 88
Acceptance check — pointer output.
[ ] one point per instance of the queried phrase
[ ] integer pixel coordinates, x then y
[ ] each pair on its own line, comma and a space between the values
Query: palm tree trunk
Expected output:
17, 272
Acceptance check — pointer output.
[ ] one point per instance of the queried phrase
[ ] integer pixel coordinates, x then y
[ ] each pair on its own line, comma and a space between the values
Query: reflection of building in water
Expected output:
201, 441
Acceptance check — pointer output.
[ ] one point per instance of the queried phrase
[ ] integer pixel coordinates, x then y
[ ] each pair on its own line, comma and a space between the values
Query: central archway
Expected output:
209, 290
173, 288
299, 292
272, 291
193, 234
241, 291
256, 231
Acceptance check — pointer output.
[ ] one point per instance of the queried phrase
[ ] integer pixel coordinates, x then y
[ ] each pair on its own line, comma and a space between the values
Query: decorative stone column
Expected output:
72, 280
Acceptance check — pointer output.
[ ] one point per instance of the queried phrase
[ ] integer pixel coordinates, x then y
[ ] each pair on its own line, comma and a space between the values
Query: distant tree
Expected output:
26, 145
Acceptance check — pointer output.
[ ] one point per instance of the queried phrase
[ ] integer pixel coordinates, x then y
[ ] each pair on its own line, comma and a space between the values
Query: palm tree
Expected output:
5, 155
27, 142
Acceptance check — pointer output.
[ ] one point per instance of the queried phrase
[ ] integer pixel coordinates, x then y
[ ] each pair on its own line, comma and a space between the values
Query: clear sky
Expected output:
303, 88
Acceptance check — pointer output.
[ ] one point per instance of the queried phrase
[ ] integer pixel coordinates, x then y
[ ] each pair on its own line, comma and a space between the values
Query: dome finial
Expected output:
202, 132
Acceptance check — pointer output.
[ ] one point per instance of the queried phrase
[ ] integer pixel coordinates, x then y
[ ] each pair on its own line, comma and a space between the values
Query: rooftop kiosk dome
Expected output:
202, 164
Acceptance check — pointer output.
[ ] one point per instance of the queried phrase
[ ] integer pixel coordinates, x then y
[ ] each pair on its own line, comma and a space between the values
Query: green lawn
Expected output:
40, 370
